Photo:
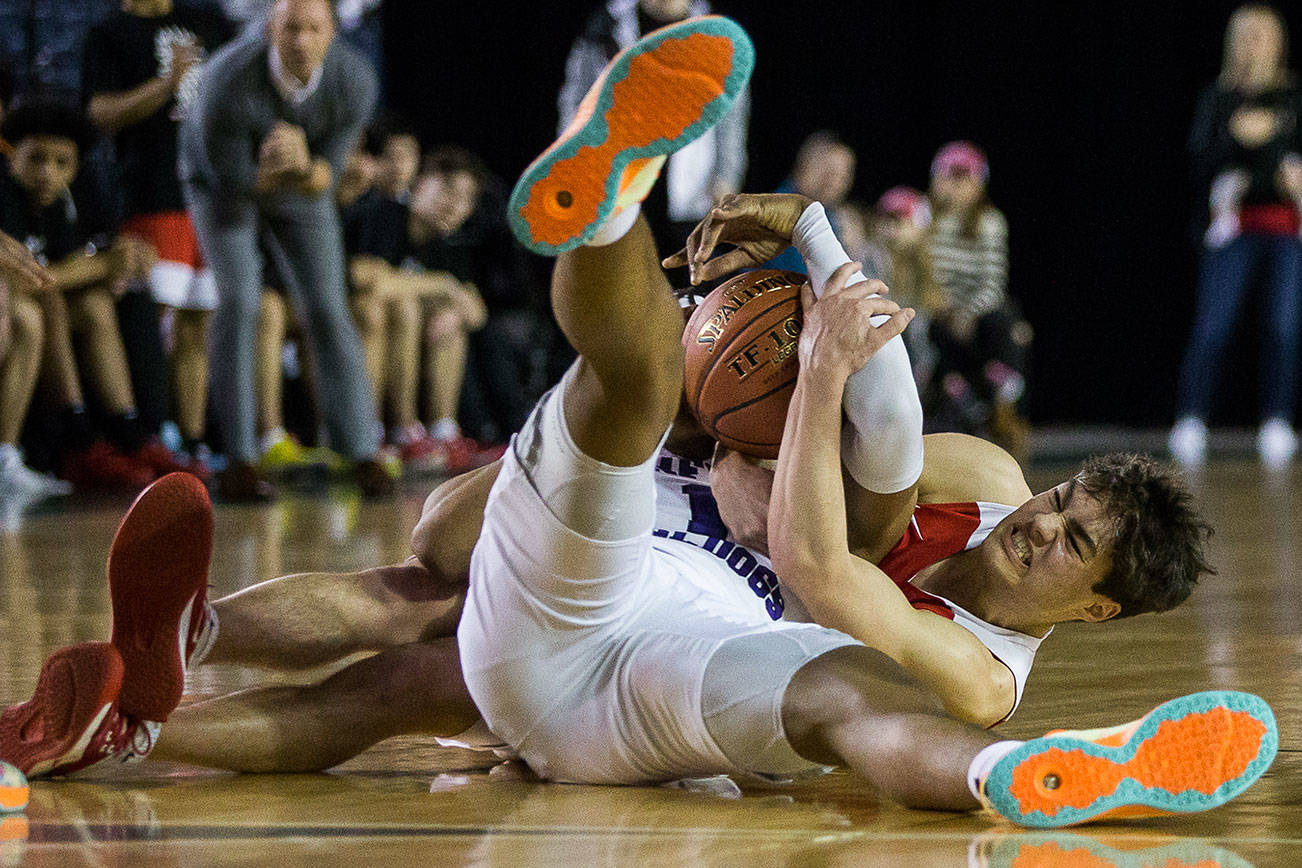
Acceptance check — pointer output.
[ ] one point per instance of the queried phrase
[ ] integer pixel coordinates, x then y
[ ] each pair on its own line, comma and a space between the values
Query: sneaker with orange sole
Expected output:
158, 588
1188, 754
655, 97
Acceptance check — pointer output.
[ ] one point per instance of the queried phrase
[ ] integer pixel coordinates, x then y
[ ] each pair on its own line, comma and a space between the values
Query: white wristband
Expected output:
819, 247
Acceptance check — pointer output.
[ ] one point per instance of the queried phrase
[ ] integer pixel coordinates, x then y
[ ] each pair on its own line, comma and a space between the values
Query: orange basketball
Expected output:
741, 359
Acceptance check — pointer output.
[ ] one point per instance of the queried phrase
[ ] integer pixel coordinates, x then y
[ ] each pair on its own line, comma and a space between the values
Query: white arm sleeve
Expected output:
882, 446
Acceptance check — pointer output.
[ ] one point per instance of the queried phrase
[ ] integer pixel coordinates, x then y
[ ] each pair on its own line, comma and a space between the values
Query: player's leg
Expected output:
312, 619
855, 706
882, 443
414, 689
567, 525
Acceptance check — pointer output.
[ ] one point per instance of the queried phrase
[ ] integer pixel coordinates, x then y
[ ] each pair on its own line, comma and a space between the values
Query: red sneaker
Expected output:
464, 454
422, 454
102, 466
158, 457
163, 461
158, 587
72, 720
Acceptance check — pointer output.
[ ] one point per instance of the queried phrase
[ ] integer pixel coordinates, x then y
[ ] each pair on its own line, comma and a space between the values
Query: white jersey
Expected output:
740, 585
689, 528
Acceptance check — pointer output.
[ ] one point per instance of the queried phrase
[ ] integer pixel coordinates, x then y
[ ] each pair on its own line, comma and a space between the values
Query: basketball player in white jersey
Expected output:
605, 653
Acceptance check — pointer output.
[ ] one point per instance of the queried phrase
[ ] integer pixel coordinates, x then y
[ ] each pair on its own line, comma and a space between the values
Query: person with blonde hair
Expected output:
1246, 151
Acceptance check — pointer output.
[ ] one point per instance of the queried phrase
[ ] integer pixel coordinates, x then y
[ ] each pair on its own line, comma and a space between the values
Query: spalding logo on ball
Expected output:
741, 359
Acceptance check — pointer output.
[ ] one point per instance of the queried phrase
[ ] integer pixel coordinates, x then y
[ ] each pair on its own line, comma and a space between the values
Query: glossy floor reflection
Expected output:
408, 801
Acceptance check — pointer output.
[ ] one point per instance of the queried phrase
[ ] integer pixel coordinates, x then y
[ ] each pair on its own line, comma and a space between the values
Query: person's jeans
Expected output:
1222, 288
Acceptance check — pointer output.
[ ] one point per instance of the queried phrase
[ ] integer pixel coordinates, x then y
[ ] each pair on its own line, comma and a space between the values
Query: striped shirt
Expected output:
971, 270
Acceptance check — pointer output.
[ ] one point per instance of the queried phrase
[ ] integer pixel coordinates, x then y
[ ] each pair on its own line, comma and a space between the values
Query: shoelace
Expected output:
127, 740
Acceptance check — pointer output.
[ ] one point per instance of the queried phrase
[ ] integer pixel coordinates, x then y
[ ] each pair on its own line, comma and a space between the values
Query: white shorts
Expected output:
588, 657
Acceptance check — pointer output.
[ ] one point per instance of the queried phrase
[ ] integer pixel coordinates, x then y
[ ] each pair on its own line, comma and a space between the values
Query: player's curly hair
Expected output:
1159, 550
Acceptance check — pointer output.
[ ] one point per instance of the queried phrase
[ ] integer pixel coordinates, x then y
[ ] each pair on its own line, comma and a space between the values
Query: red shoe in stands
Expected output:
464, 454
163, 461
158, 588
102, 466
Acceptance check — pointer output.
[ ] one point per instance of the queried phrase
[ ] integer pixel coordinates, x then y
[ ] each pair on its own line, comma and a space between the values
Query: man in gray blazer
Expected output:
277, 114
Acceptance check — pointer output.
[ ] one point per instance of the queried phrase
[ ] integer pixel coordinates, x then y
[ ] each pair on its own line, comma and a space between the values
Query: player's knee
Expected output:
849, 686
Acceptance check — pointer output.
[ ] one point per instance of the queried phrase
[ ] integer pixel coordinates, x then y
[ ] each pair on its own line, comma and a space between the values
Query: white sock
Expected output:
984, 762
882, 446
616, 226
9, 455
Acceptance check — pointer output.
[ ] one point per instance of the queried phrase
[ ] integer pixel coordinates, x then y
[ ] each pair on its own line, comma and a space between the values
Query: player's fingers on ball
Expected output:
675, 260
806, 296
877, 286
724, 264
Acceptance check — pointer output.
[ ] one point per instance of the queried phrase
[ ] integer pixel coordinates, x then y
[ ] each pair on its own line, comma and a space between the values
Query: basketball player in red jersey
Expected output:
813, 695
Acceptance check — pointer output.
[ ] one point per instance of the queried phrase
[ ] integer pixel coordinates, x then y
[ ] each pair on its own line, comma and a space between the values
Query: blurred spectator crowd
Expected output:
252, 270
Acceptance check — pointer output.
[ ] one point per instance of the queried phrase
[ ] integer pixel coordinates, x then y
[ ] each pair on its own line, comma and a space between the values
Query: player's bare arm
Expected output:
960, 468
807, 525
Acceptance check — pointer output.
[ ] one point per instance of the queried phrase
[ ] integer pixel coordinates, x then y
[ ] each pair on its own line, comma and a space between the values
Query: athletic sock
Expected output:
984, 762
882, 446
616, 226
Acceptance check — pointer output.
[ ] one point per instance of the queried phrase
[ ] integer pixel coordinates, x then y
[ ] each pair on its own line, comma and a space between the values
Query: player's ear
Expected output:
1102, 609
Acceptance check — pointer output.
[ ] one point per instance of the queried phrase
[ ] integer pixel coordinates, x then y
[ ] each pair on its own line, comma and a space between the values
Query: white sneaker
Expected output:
1276, 444
1188, 441
19, 480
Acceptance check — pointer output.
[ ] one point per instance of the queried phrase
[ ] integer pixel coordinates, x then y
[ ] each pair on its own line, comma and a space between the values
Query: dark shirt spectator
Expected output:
141, 74
1246, 153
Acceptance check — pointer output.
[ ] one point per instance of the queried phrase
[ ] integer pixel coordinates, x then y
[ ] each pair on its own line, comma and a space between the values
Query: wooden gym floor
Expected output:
407, 801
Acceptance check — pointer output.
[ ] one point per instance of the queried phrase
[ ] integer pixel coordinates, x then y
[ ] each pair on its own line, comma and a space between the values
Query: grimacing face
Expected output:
302, 31
44, 166
1052, 550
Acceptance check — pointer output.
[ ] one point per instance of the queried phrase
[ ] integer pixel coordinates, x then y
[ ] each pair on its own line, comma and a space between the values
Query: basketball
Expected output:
13, 788
741, 360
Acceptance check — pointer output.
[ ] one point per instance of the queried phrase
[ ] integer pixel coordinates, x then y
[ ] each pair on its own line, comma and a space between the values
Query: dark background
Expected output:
1083, 109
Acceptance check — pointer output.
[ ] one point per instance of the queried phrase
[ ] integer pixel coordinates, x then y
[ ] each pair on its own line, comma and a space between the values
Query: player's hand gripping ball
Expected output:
741, 361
